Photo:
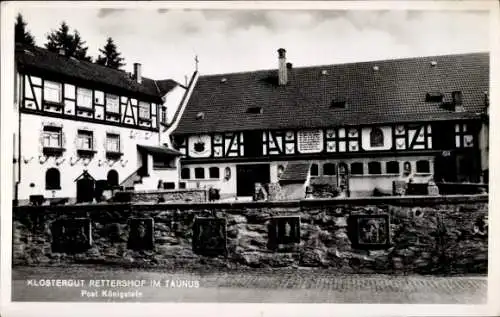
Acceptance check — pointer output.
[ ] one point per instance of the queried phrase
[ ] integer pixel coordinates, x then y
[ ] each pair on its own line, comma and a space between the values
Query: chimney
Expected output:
62, 51
282, 67
457, 101
137, 72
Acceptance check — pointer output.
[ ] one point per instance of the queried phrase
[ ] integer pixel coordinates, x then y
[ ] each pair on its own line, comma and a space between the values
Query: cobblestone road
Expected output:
279, 286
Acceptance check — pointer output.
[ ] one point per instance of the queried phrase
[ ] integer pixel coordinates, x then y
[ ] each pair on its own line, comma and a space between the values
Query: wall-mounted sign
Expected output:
209, 236
310, 141
283, 231
71, 235
141, 236
369, 231
200, 146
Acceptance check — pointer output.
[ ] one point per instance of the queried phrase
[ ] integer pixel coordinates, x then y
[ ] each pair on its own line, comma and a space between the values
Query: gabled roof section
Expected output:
371, 92
38, 59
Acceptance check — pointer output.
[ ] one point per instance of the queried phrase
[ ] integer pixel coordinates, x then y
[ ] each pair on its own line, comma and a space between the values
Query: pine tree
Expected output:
72, 44
21, 34
110, 56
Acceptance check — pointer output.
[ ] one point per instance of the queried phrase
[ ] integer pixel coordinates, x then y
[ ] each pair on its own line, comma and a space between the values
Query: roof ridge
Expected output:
350, 63
79, 60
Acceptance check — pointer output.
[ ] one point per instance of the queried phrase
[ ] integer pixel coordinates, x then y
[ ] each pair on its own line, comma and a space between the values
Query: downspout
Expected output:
18, 102
158, 113
181, 108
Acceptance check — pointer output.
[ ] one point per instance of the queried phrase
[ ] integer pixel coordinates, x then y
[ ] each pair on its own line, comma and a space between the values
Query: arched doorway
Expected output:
113, 178
343, 178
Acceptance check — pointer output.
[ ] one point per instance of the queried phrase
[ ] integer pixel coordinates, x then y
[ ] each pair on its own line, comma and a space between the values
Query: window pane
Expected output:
376, 137
52, 139
199, 172
52, 179
357, 168
85, 140
113, 143
423, 167
112, 104
374, 168
214, 172
392, 167
314, 170
144, 108
185, 173
52, 91
84, 97
329, 169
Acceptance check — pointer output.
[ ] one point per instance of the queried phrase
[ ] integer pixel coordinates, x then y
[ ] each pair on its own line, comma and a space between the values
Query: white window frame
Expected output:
83, 136
110, 106
52, 139
144, 110
52, 91
110, 136
84, 97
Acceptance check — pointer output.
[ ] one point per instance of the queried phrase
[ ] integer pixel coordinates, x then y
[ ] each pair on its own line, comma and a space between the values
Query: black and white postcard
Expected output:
248, 158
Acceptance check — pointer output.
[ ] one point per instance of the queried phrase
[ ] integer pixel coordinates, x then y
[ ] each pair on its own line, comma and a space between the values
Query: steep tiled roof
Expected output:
161, 150
295, 172
376, 92
40, 59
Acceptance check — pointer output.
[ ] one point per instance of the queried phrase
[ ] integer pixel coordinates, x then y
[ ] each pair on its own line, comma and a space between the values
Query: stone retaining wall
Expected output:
427, 235
180, 195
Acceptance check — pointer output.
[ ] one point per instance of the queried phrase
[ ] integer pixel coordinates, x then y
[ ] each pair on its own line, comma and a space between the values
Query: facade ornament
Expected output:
42, 159
60, 160
72, 161
27, 160
86, 161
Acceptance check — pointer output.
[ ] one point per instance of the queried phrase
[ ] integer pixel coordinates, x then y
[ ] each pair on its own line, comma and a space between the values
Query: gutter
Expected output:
180, 110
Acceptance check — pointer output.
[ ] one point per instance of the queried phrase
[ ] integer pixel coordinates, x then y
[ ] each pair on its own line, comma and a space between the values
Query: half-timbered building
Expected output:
77, 119
358, 126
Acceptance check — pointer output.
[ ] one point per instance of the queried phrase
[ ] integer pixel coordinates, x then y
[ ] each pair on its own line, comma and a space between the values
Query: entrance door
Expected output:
445, 168
248, 175
85, 190
252, 141
343, 178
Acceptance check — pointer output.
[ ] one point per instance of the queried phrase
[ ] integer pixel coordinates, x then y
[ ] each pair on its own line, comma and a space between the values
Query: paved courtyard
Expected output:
277, 286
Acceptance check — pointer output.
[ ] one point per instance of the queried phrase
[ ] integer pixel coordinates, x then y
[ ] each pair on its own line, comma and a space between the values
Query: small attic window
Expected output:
433, 97
338, 104
200, 116
223, 80
254, 110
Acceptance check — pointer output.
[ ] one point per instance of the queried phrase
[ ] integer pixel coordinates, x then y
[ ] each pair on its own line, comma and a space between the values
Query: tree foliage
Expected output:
21, 34
72, 44
110, 56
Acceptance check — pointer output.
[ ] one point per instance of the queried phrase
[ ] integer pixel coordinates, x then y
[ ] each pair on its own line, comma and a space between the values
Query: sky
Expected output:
165, 41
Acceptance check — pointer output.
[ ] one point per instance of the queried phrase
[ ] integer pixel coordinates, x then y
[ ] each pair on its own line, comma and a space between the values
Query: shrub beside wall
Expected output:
427, 235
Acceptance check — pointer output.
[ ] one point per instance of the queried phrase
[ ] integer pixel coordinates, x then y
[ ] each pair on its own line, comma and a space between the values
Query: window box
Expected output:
113, 155
51, 104
53, 151
86, 109
110, 115
85, 152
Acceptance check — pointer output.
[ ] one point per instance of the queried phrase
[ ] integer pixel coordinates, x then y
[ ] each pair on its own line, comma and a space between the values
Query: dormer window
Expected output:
338, 104
52, 92
200, 116
84, 98
254, 110
434, 97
